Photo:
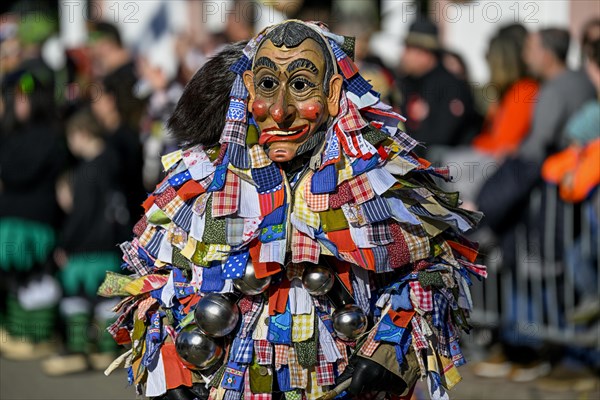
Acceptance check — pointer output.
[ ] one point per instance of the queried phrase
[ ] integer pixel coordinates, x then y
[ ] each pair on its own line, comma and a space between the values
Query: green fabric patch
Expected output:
431, 279
159, 217
214, 228
333, 220
373, 135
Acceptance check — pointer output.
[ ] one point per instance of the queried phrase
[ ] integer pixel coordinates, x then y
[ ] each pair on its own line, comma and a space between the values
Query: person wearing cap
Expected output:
439, 107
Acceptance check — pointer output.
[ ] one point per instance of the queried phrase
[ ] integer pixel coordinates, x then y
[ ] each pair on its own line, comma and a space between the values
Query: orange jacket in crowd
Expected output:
507, 123
576, 170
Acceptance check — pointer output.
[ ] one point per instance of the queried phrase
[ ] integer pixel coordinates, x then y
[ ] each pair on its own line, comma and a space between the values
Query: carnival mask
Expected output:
293, 89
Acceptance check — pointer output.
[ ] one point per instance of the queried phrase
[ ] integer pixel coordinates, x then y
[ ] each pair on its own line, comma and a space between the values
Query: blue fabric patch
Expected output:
272, 233
182, 286
283, 378
280, 328
218, 181
180, 178
376, 210
266, 178
234, 376
402, 301
238, 156
241, 65
324, 180
242, 350
388, 332
276, 217
236, 110
211, 278
322, 238
238, 89
183, 217
154, 244
358, 85
360, 165
382, 263
235, 266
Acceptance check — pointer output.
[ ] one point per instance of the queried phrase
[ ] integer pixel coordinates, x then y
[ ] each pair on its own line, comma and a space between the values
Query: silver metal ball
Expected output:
349, 322
317, 280
216, 315
249, 284
196, 350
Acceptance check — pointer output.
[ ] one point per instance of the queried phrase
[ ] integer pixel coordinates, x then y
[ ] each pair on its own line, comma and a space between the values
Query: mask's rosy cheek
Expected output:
311, 110
260, 109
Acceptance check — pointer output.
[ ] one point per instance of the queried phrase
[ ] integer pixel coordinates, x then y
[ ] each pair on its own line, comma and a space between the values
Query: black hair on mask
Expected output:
199, 116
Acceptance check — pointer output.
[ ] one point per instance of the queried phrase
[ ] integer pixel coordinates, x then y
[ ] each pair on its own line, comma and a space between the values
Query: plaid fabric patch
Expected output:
258, 157
241, 65
315, 202
342, 363
263, 350
237, 110
352, 120
417, 240
301, 210
325, 372
358, 85
342, 195
382, 263
406, 142
361, 189
234, 231
226, 201
379, 233
304, 249
303, 326
234, 132
241, 350
368, 349
173, 207
250, 308
298, 375
130, 256
238, 89
417, 333
267, 178
376, 210
147, 235
422, 298
440, 306
281, 355
165, 197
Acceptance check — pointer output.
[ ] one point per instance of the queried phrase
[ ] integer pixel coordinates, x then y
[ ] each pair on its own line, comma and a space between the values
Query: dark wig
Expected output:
199, 116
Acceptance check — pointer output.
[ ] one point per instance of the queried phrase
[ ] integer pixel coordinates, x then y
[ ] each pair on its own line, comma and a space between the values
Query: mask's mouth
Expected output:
293, 134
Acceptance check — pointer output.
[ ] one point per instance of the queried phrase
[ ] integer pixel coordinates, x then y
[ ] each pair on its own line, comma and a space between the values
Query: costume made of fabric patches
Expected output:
365, 206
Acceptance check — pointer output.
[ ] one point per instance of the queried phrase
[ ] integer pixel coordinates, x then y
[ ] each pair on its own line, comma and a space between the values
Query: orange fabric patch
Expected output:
262, 269
147, 204
190, 189
343, 271
278, 297
467, 252
343, 240
176, 374
401, 318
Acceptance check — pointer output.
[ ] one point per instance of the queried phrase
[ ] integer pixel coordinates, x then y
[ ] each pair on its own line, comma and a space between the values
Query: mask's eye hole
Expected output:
268, 84
301, 84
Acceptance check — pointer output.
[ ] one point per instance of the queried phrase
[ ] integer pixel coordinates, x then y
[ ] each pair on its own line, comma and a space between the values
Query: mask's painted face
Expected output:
287, 96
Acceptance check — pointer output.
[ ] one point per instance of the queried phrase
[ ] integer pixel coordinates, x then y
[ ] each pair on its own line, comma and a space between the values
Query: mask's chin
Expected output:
282, 151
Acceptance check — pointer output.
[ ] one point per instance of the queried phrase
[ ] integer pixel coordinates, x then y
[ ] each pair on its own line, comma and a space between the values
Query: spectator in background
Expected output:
31, 157
508, 120
455, 64
87, 249
439, 107
111, 108
589, 35
158, 73
504, 198
108, 53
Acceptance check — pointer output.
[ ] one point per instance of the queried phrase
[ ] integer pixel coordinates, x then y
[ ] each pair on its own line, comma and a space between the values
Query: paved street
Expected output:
25, 381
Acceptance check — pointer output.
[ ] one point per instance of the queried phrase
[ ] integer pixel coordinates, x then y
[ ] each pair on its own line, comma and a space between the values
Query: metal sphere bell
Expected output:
216, 315
249, 284
318, 280
349, 322
197, 350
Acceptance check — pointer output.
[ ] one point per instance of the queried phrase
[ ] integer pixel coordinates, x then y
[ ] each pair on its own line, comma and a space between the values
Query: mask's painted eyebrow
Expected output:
265, 62
303, 63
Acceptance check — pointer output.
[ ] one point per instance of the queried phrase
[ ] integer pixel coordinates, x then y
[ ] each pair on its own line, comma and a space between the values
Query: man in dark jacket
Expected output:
438, 106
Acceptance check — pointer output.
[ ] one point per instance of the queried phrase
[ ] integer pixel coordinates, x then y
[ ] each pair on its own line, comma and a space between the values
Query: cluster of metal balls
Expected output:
200, 345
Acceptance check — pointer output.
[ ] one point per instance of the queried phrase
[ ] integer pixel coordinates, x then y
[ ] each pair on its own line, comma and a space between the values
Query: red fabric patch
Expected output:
278, 297
262, 269
341, 196
190, 189
176, 374
140, 226
398, 252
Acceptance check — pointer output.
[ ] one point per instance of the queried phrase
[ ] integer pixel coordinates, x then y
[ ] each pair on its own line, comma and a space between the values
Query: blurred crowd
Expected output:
81, 145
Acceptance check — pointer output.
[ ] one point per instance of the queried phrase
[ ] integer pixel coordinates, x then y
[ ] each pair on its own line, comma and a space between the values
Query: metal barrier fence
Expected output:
536, 298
